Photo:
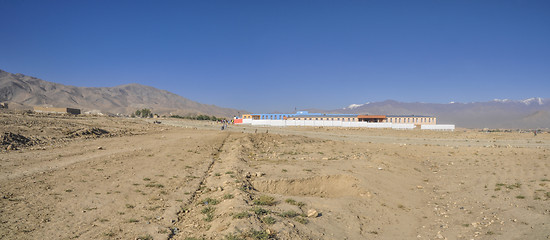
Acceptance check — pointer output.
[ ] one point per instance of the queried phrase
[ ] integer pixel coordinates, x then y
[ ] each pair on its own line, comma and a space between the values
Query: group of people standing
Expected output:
225, 123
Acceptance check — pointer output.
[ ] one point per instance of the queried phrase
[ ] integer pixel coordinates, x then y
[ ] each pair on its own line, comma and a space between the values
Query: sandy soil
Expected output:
112, 178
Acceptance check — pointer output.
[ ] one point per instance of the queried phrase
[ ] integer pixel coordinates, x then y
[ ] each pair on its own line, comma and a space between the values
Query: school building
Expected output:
304, 115
304, 118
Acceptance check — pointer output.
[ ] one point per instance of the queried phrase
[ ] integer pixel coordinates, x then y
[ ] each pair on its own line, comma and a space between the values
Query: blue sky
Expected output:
266, 56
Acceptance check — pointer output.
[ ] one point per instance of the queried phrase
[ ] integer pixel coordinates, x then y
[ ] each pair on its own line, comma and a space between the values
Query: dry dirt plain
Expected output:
112, 178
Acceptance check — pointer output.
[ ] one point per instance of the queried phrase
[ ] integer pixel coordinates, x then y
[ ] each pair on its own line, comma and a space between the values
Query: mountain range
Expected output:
499, 113
22, 91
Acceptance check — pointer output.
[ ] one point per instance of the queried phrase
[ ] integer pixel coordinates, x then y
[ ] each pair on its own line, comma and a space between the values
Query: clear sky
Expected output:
266, 56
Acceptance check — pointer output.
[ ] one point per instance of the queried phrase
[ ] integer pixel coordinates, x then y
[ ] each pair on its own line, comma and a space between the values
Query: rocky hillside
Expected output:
21, 90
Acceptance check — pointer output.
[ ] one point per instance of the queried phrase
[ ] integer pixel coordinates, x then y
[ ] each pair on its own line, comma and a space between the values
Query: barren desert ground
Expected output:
65, 177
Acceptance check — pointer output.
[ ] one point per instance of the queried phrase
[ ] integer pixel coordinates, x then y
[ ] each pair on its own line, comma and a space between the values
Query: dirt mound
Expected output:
12, 141
88, 132
321, 186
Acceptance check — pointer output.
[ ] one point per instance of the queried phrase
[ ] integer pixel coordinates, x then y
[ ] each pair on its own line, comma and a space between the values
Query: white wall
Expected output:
441, 127
320, 123
379, 125
402, 126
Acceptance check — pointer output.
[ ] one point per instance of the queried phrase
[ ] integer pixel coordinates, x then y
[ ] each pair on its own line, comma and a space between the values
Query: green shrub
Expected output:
302, 220
295, 203
210, 201
264, 200
268, 220
228, 196
289, 214
241, 215
260, 211
208, 209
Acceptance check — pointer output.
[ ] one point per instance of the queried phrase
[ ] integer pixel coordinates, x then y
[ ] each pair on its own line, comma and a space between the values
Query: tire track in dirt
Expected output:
64, 161
131, 188
201, 185
223, 205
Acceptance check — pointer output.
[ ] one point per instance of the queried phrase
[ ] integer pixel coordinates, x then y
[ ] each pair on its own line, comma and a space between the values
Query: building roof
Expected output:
371, 116
408, 116
309, 115
323, 116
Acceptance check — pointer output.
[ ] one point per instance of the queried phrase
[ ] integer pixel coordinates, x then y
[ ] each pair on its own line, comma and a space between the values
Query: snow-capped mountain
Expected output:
352, 106
529, 101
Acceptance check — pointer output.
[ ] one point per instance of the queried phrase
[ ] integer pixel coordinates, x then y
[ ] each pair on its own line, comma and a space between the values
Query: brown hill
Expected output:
22, 90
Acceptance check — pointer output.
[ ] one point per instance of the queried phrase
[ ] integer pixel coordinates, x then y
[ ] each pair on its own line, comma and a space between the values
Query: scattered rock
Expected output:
12, 141
259, 174
312, 213
92, 132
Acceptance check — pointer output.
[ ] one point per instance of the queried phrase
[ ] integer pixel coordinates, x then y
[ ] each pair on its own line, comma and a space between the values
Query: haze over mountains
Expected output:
499, 113
22, 90
26, 91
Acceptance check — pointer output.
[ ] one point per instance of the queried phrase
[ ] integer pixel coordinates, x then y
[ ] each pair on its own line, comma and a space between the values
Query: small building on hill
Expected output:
74, 111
